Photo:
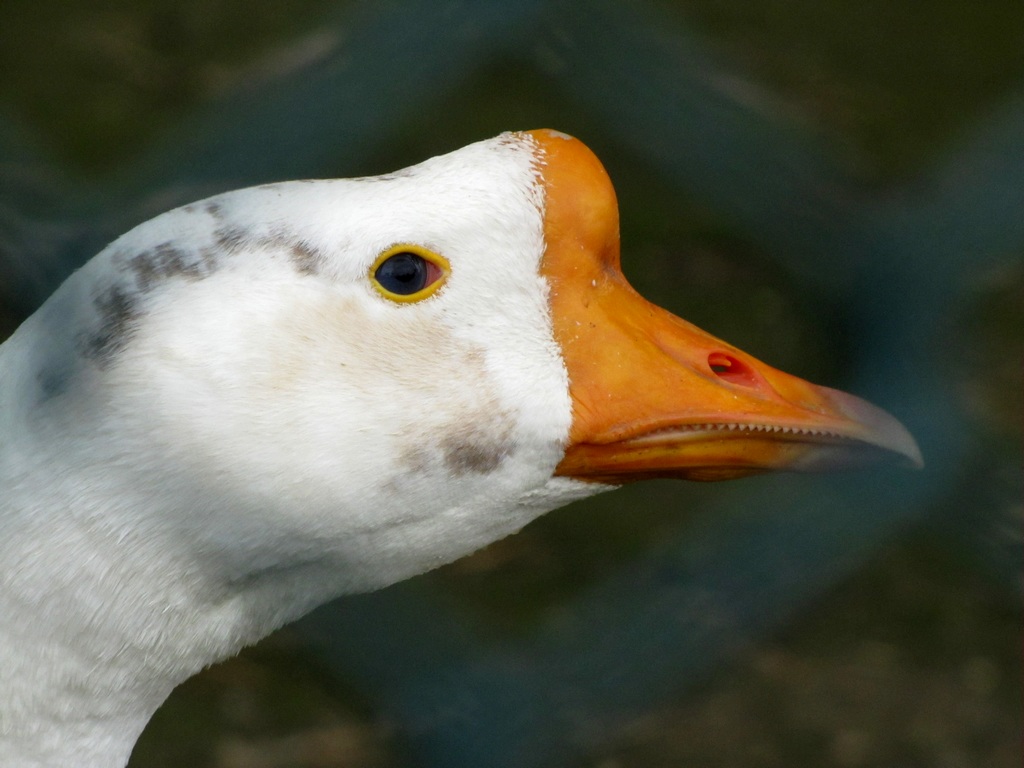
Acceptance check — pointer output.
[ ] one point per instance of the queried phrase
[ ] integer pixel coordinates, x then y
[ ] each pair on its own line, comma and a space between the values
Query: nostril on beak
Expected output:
732, 370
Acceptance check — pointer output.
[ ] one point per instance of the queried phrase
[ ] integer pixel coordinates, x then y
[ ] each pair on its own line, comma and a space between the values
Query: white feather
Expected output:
218, 423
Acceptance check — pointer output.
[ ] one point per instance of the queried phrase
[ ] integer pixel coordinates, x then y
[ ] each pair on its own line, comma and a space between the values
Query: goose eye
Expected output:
403, 273
408, 273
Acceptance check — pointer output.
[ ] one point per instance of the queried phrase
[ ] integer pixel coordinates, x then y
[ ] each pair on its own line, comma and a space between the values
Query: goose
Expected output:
255, 403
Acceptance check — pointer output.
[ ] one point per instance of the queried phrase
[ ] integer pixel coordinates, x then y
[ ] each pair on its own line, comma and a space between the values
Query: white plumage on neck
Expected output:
218, 424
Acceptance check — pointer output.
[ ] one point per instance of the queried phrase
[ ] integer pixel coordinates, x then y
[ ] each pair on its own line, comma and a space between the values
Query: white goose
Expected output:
255, 403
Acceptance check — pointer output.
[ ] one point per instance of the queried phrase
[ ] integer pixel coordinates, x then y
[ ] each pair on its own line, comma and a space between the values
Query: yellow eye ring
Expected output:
407, 273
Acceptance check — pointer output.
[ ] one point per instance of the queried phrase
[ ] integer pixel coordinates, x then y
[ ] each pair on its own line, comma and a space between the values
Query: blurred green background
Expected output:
912, 657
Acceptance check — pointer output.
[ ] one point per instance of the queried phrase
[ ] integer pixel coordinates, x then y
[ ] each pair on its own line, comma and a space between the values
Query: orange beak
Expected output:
654, 396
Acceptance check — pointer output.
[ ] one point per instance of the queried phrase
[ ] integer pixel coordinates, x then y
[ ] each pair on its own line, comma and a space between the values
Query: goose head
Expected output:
249, 405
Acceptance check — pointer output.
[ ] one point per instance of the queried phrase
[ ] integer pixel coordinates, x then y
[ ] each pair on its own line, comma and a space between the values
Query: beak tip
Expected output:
910, 452
880, 429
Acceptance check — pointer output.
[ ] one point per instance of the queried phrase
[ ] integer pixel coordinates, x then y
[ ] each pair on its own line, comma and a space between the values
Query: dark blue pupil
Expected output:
403, 273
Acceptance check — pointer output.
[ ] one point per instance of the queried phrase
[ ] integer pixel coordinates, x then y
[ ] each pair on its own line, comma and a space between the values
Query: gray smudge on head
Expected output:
118, 315
233, 239
307, 259
53, 380
121, 306
475, 444
474, 440
167, 260
476, 451
58, 353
